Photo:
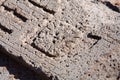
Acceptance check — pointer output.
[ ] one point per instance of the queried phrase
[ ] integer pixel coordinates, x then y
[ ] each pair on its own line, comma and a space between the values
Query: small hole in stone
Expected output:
110, 56
113, 60
108, 76
57, 33
63, 37
63, 9
39, 25
76, 76
67, 21
86, 20
88, 74
114, 64
61, 24
96, 61
67, 65
110, 65
81, 23
54, 41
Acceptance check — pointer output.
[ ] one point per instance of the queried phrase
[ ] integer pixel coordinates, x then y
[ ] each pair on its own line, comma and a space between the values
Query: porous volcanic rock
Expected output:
64, 39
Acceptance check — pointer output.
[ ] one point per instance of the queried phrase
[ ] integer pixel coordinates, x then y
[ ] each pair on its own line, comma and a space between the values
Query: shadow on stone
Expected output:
114, 8
21, 71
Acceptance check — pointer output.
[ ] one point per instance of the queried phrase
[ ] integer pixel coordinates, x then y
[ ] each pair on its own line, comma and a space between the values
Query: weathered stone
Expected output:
65, 39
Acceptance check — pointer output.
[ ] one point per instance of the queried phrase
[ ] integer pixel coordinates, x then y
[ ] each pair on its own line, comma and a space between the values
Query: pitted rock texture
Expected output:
64, 39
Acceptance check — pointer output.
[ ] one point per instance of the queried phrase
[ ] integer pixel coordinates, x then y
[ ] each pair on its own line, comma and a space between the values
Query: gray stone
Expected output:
65, 39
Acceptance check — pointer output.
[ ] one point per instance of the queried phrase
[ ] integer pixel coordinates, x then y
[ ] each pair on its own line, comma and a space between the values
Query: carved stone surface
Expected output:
63, 39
